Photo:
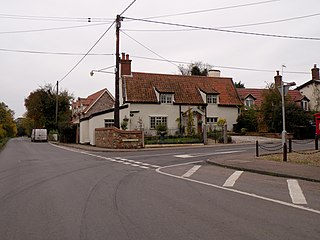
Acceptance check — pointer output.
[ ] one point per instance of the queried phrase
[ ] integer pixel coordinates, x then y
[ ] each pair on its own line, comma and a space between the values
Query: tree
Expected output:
239, 84
248, 119
271, 110
8, 127
196, 69
41, 108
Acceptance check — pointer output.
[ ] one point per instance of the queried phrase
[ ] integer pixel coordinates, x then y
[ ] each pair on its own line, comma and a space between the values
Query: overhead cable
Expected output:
52, 29
212, 9
225, 30
67, 74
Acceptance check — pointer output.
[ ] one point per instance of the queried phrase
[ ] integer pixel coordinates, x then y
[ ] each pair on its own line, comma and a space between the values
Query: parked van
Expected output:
39, 135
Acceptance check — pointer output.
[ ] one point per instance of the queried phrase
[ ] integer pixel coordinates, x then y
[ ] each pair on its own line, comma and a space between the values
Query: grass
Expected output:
3, 142
310, 157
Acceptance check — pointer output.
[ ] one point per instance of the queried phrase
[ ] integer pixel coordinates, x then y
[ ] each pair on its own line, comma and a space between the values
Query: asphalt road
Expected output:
47, 192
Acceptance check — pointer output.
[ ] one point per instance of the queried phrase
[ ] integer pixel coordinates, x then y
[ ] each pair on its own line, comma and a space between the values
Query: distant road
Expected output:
47, 192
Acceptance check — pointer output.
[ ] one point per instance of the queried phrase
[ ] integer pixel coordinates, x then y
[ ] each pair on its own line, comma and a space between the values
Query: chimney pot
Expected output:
127, 56
123, 55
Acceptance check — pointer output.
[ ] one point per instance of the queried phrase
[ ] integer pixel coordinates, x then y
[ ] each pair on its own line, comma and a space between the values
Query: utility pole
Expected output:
117, 77
57, 103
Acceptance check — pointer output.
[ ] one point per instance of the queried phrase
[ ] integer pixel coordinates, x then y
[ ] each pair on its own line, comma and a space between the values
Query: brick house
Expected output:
84, 110
254, 96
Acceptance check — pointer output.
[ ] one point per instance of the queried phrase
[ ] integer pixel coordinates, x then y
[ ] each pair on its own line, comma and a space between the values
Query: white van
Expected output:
39, 135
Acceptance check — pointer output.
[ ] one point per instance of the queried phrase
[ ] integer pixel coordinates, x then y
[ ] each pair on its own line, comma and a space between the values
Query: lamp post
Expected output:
283, 91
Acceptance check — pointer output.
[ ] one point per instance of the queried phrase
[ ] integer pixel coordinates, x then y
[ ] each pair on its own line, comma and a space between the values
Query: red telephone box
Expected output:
317, 117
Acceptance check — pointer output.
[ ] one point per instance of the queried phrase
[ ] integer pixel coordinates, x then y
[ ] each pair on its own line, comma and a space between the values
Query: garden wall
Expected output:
115, 138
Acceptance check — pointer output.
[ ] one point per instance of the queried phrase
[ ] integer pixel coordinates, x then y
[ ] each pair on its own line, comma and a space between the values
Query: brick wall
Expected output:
118, 139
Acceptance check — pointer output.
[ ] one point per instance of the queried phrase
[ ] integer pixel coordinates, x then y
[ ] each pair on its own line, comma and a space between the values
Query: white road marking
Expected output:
115, 159
232, 179
183, 156
234, 190
296, 193
191, 171
206, 154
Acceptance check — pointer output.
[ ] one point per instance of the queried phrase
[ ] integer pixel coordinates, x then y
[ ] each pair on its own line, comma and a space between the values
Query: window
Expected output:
212, 99
249, 102
166, 98
155, 121
108, 122
212, 119
304, 105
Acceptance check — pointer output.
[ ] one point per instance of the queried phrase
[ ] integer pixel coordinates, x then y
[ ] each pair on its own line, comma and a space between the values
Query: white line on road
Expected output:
191, 171
159, 170
206, 154
232, 179
296, 193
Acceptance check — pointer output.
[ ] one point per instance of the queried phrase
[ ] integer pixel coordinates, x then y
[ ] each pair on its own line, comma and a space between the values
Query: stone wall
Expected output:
115, 138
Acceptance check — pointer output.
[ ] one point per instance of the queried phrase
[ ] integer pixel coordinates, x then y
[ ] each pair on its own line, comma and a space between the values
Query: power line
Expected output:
225, 30
212, 9
52, 29
149, 49
225, 27
218, 66
67, 74
53, 18
54, 53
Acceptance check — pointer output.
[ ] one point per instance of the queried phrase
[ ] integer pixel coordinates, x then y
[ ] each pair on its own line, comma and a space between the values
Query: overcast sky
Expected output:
39, 40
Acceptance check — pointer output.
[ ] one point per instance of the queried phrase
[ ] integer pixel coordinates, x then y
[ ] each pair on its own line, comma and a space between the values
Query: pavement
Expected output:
244, 161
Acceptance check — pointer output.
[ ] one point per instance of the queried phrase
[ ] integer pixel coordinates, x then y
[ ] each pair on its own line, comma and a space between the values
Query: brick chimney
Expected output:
315, 73
125, 65
277, 79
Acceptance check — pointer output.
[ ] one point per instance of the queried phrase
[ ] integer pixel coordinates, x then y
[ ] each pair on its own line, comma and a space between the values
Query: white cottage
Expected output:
150, 99
171, 100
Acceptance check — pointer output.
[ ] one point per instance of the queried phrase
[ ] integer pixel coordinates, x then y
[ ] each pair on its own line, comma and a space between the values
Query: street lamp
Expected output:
102, 71
283, 91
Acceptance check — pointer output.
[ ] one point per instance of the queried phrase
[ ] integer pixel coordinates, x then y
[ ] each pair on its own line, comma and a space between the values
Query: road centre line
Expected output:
191, 171
116, 159
232, 179
159, 170
296, 192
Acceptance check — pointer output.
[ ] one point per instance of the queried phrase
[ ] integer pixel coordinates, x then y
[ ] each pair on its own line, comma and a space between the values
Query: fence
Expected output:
275, 148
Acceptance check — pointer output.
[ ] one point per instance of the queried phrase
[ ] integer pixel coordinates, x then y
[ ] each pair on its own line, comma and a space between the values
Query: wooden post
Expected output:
290, 145
257, 149
285, 152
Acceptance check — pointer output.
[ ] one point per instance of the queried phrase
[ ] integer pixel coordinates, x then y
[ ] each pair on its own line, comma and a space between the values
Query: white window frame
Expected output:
166, 98
212, 98
109, 122
304, 105
157, 120
249, 102
212, 119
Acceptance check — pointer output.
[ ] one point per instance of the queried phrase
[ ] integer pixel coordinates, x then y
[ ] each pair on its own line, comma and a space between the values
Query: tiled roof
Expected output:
88, 102
142, 87
257, 93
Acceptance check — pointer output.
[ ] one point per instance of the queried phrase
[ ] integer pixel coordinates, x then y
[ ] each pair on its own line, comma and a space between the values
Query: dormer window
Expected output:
212, 99
166, 98
249, 102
